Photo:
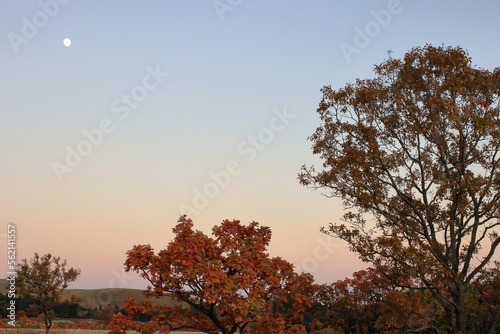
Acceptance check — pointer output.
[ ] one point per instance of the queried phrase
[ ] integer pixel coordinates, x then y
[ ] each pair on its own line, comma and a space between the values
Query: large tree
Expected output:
414, 155
43, 279
229, 282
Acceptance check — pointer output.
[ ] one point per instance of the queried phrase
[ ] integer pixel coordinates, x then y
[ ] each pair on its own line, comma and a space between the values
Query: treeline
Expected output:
370, 303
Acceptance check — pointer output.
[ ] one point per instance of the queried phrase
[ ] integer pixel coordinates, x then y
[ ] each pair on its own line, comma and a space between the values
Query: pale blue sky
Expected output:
228, 79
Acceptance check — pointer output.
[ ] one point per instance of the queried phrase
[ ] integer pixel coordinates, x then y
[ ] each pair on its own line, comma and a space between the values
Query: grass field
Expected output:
53, 331
65, 331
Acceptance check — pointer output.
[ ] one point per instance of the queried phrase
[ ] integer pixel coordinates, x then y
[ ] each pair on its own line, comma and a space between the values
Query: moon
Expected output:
66, 42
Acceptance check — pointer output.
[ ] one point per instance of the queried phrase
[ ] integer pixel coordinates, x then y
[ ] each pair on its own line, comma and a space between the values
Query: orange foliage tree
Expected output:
414, 153
229, 282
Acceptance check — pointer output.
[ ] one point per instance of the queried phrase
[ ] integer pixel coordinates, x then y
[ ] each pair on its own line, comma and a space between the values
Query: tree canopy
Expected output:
414, 155
43, 279
229, 282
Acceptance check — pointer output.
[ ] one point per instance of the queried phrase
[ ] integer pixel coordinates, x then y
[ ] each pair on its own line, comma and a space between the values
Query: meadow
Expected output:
64, 331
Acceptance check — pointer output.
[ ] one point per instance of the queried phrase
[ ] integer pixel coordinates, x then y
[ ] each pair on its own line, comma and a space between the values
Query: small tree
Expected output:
230, 283
43, 279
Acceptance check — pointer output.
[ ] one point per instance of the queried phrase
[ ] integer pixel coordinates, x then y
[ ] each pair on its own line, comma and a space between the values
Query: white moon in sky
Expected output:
66, 42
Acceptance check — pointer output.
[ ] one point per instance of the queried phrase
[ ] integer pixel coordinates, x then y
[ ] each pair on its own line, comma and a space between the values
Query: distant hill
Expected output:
95, 298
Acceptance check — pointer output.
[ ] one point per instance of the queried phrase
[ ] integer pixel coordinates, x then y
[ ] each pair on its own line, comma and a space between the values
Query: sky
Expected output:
159, 108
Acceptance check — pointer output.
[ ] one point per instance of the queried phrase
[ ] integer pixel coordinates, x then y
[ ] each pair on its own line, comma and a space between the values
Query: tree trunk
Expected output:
47, 321
459, 321
47, 327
